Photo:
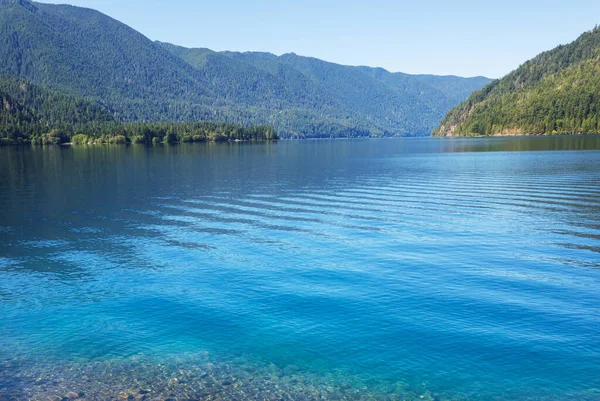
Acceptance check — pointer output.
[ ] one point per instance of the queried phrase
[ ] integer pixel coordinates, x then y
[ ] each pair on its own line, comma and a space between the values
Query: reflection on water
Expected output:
371, 269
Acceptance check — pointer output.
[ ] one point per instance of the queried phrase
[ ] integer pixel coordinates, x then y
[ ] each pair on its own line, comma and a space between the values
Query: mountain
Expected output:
26, 110
557, 92
83, 53
33, 114
389, 103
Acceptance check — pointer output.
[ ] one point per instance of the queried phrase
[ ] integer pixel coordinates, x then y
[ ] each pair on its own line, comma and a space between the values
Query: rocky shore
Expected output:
145, 379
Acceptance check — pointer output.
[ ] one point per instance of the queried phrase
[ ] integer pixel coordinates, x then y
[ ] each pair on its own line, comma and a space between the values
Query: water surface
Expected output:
387, 269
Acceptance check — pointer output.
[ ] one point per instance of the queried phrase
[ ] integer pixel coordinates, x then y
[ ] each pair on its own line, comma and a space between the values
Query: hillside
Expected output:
33, 114
557, 92
83, 53
29, 110
408, 103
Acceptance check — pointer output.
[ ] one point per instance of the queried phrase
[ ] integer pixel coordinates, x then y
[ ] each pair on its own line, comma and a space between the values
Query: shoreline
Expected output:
515, 136
71, 144
90, 144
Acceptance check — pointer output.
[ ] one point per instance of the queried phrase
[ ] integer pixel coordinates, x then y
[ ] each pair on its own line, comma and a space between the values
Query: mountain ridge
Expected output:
358, 87
84, 53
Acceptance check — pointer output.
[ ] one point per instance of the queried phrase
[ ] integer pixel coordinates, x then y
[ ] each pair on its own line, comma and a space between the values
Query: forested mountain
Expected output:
557, 92
401, 103
33, 114
28, 110
83, 53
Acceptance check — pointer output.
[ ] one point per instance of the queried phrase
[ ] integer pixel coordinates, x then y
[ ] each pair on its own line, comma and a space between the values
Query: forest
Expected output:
554, 93
32, 114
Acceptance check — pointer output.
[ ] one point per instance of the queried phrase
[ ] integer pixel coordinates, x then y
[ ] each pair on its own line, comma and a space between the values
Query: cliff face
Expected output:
555, 93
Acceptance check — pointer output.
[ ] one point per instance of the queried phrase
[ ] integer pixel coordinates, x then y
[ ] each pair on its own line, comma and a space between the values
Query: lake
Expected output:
446, 269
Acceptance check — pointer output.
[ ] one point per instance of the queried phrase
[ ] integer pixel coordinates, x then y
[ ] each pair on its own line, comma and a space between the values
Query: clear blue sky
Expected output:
460, 37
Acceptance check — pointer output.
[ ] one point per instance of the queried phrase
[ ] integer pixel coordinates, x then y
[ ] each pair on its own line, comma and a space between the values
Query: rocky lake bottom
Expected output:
187, 378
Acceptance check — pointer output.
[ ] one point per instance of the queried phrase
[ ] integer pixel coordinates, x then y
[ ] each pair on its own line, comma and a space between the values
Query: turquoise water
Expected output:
372, 269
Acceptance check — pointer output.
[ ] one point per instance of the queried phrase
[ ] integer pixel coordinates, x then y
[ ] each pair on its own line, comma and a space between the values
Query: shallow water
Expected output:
371, 269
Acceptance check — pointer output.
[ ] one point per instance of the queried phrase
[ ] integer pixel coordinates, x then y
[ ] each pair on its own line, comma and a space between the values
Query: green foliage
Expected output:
331, 100
118, 140
85, 54
54, 137
555, 93
28, 110
79, 139
32, 114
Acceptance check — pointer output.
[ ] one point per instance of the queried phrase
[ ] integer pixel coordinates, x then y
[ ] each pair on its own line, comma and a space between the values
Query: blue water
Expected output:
462, 269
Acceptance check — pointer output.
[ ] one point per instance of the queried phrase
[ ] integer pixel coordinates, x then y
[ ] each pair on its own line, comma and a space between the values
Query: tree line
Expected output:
32, 114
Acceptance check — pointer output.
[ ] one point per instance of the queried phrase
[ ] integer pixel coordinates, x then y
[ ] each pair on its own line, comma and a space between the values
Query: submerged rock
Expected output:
193, 378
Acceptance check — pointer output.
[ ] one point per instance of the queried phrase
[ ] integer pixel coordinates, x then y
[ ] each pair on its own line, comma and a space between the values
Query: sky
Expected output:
458, 37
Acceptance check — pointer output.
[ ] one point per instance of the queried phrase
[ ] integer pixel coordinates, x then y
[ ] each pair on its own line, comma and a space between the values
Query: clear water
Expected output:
436, 268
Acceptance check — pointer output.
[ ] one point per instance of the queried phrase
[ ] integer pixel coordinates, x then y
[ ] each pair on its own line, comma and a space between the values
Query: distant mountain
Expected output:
557, 92
83, 53
390, 103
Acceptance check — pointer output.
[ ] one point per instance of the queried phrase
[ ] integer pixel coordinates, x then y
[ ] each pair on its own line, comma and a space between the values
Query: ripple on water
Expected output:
383, 273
